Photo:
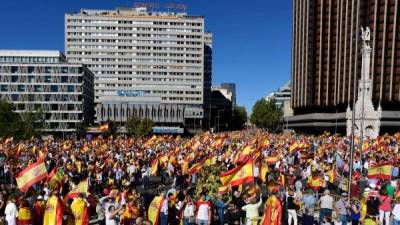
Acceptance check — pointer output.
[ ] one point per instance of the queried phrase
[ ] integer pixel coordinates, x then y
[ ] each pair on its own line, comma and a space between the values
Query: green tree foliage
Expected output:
144, 128
112, 128
81, 129
266, 115
9, 120
239, 118
31, 125
131, 125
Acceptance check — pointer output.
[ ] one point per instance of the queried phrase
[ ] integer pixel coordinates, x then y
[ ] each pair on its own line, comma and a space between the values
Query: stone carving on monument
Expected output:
367, 119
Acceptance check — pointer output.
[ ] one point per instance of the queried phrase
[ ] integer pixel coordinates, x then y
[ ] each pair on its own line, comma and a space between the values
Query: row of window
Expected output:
40, 69
163, 23
22, 59
43, 79
37, 88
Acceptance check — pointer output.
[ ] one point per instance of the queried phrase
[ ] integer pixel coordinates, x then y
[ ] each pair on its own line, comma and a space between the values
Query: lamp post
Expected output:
352, 147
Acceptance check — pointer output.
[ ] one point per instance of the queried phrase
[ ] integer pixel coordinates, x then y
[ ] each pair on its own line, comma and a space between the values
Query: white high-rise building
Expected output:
147, 64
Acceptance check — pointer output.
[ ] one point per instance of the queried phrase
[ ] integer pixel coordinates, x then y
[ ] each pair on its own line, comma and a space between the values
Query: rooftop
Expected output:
135, 12
31, 53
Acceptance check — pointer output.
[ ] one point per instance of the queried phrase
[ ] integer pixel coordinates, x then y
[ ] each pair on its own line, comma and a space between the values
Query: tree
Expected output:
112, 128
266, 115
9, 120
131, 125
239, 118
80, 129
145, 127
31, 124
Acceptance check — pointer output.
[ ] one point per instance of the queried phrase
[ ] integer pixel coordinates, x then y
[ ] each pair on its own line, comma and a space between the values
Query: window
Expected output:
64, 79
14, 69
70, 88
21, 87
14, 78
3, 87
64, 69
54, 88
48, 69
31, 69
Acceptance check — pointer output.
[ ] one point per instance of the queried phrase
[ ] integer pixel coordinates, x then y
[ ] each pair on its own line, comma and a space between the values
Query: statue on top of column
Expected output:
365, 35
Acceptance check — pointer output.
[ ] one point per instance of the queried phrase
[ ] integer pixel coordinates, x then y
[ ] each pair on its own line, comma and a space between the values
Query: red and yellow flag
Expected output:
271, 160
154, 209
54, 211
332, 176
154, 167
79, 210
273, 212
81, 188
25, 216
380, 172
31, 175
196, 168
239, 175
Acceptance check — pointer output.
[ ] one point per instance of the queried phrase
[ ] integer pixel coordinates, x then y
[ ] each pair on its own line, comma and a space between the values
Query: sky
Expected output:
251, 45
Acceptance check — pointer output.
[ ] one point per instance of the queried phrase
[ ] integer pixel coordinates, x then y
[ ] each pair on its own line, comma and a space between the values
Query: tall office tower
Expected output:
231, 87
326, 56
146, 64
43, 80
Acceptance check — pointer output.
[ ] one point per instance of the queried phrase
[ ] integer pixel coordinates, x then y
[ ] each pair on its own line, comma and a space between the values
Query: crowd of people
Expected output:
246, 177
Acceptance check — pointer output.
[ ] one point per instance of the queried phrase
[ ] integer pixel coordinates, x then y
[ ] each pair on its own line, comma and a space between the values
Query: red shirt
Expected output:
385, 203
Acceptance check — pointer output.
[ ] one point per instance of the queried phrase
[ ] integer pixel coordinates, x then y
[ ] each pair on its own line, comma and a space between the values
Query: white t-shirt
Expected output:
326, 202
11, 213
202, 212
396, 212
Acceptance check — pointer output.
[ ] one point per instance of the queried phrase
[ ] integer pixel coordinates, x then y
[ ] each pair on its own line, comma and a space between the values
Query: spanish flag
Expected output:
224, 189
25, 216
31, 175
365, 147
79, 210
155, 208
54, 211
293, 147
81, 188
380, 172
273, 212
154, 167
263, 173
314, 182
332, 176
239, 175
271, 160
210, 161
196, 167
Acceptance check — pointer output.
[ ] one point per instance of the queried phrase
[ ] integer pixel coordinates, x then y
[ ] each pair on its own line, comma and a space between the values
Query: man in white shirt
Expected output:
326, 205
11, 212
252, 211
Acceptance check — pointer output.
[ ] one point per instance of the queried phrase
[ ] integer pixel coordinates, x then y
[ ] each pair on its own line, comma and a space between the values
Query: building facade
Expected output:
43, 80
282, 98
326, 56
146, 64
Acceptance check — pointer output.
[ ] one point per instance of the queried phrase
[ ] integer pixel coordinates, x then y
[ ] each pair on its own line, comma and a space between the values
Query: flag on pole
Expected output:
31, 175
155, 208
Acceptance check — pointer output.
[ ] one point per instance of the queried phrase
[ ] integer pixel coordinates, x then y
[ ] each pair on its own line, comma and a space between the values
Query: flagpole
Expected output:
353, 116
